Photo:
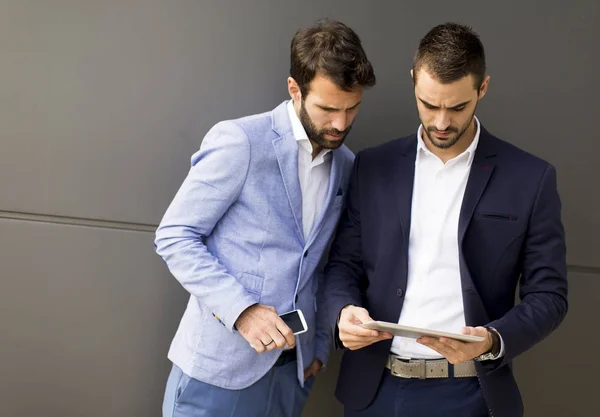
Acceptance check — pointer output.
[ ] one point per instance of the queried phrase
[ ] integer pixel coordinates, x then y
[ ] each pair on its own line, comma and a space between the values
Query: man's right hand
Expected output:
264, 329
352, 334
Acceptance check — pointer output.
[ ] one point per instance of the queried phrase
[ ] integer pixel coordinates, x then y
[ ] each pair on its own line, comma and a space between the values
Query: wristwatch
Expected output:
494, 352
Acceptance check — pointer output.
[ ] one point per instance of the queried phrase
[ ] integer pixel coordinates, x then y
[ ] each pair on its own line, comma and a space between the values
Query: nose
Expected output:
340, 121
442, 120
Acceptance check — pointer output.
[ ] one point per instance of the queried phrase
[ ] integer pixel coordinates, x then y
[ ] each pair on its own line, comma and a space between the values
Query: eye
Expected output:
458, 109
327, 110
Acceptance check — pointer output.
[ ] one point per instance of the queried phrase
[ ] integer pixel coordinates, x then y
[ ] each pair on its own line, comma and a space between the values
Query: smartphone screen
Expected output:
295, 321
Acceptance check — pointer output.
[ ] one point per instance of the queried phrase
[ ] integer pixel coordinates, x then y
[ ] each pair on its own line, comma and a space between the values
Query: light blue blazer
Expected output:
233, 237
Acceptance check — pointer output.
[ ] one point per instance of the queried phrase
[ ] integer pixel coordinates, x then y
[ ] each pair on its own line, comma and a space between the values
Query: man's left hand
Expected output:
313, 369
455, 351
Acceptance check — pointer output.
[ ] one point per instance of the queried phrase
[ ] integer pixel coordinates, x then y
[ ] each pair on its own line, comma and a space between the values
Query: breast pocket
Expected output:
498, 216
496, 234
338, 202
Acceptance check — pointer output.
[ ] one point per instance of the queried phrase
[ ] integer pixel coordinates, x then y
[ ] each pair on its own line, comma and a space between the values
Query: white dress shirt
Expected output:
313, 174
433, 296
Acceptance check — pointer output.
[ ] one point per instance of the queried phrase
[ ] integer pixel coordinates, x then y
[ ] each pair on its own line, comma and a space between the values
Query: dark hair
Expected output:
331, 49
450, 52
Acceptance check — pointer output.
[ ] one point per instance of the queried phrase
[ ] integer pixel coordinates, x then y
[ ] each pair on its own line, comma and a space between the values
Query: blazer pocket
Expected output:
252, 283
498, 216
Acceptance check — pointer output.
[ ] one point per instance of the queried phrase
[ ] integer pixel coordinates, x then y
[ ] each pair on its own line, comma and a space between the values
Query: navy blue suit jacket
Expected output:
510, 233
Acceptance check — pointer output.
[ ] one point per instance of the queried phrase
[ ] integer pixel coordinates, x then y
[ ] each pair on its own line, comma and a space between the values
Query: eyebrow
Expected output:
336, 109
451, 108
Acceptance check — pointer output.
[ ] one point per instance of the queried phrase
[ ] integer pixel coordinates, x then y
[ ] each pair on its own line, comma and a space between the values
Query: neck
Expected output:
316, 149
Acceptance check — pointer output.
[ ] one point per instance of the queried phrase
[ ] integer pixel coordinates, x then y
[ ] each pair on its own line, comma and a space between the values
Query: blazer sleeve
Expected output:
543, 283
213, 184
344, 270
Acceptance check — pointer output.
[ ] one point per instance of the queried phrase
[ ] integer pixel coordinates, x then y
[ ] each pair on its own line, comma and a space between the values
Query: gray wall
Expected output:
102, 103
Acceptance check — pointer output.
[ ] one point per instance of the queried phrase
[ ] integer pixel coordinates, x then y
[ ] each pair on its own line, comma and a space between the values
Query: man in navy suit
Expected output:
440, 227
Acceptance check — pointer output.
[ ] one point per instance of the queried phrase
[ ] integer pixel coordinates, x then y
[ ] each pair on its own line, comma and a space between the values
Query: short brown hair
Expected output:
332, 49
450, 52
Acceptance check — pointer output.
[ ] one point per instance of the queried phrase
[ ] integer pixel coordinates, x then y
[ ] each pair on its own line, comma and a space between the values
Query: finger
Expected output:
356, 346
258, 346
267, 341
348, 337
452, 343
360, 343
356, 330
278, 339
441, 350
360, 313
286, 332
434, 344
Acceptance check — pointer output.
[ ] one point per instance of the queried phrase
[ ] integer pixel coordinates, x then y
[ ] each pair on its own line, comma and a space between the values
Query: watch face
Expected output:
486, 357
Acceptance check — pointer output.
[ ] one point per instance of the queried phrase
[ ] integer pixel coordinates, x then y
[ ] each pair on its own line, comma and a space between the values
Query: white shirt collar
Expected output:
299, 132
470, 150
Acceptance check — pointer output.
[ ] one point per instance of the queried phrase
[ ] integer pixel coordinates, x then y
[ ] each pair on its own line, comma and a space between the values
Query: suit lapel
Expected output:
481, 171
405, 178
286, 151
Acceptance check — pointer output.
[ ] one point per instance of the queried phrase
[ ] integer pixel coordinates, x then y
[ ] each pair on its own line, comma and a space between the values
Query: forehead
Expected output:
437, 93
324, 92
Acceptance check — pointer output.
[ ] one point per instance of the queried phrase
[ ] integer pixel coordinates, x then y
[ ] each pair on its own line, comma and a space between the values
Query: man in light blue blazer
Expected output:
247, 236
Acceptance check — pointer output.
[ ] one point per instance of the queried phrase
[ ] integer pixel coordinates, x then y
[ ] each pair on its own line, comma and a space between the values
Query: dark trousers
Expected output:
444, 397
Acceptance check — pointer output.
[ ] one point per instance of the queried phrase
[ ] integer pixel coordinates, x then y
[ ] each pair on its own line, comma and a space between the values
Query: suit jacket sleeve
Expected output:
543, 283
323, 332
212, 185
344, 271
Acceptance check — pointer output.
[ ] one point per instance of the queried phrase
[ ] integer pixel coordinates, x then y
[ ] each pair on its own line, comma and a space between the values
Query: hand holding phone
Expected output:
295, 321
263, 329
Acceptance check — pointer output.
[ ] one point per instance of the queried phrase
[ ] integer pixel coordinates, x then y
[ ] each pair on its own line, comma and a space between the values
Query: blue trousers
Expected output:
277, 394
444, 397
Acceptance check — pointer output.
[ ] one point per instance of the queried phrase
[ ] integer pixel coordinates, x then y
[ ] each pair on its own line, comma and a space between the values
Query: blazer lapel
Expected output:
481, 171
286, 151
405, 178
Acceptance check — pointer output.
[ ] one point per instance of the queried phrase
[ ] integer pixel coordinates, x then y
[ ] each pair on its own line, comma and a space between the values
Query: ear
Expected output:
294, 90
484, 86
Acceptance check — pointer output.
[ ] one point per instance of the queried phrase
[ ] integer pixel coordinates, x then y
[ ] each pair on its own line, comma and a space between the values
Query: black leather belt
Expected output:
286, 357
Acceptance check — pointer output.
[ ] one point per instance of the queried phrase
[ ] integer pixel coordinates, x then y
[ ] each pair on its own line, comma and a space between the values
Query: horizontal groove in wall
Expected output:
584, 269
141, 227
77, 221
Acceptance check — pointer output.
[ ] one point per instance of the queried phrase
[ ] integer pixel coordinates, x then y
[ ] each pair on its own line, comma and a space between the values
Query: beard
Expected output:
451, 140
318, 135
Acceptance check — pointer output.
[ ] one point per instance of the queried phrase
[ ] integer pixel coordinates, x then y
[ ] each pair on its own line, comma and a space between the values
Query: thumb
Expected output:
361, 315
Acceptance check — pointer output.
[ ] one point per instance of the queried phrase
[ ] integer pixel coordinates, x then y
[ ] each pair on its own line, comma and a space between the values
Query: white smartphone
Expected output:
295, 320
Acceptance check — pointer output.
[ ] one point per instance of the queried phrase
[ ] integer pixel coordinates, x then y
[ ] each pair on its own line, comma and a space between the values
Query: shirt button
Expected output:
296, 298
399, 292
305, 254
